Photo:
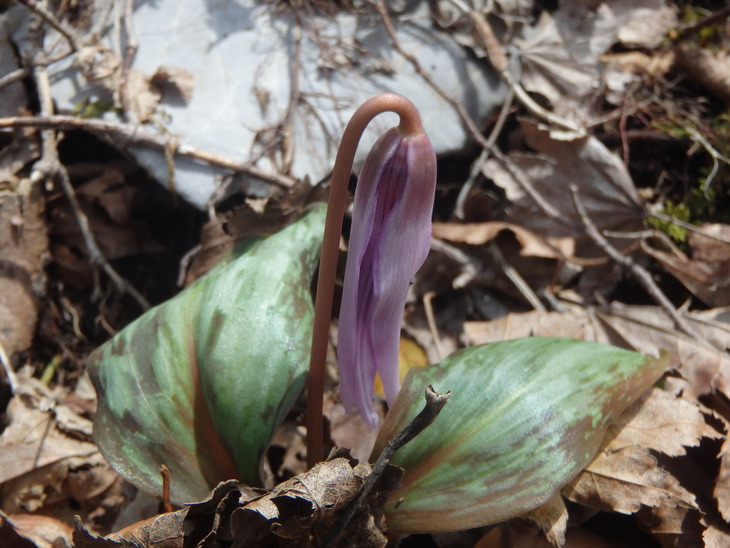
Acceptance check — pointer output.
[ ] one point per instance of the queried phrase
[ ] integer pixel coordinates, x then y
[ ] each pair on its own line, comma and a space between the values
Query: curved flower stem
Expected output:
409, 126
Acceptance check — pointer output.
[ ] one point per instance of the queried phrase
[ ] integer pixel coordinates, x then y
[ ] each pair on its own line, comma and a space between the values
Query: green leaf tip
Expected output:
525, 417
201, 382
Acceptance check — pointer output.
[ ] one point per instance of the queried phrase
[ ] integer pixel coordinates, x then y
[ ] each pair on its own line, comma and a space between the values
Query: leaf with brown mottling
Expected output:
202, 382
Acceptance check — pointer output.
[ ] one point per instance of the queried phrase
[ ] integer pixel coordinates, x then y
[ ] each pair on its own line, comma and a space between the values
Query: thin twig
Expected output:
711, 19
515, 277
21, 73
476, 168
166, 480
49, 168
8, 368
641, 275
65, 30
130, 52
716, 156
434, 404
287, 124
431, 320
688, 226
14, 76
489, 42
133, 135
469, 268
96, 257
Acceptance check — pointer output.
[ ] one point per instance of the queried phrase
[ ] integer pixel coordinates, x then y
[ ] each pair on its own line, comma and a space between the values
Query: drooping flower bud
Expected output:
389, 240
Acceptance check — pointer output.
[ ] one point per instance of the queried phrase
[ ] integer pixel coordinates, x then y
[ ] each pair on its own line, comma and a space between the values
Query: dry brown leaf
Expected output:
714, 537
649, 329
722, 484
710, 69
177, 80
100, 65
36, 455
532, 245
162, 531
552, 517
661, 421
573, 324
349, 430
604, 185
294, 508
10, 537
706, 273
32, 439
624, 481
43, 531
24, 249
673, 527
656, 65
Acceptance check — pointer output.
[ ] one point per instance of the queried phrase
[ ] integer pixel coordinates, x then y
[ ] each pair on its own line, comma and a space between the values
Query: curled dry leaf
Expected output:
552, 517
561, 55
674, 526
33, 531
175, 79
162, 531
307, 506
532, 245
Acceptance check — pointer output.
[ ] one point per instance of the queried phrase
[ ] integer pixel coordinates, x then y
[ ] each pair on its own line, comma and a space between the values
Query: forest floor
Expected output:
604, 217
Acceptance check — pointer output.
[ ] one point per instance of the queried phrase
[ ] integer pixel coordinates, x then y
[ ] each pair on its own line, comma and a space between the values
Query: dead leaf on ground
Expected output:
673, 526
302, 509
162, 531
40, 531
721, 491
710, 69
663, 422
23, 252
532, 245
705, 274
625, 480
552, 517
100, 65
603, 182
47, 462
176, 83
560, 57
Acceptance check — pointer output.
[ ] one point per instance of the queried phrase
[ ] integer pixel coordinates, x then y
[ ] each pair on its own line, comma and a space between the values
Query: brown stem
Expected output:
409, 126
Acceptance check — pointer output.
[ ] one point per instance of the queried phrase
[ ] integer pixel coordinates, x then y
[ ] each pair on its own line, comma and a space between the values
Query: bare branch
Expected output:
641, 275
132, 135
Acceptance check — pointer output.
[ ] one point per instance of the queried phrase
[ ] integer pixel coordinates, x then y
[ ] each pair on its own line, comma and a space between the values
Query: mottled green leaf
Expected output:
525, 416
201, 382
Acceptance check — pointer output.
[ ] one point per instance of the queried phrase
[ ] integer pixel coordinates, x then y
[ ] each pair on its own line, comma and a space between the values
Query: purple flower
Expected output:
389, 240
